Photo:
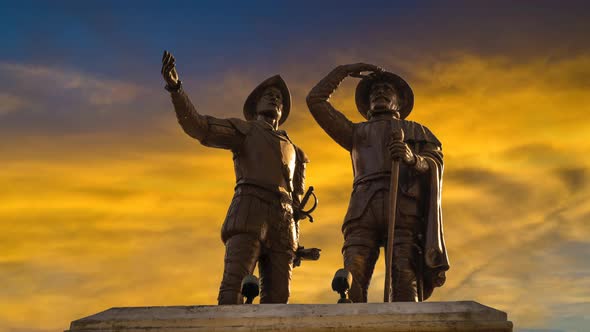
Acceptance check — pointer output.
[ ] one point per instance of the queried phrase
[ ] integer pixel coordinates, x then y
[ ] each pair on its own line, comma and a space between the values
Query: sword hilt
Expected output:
307, 214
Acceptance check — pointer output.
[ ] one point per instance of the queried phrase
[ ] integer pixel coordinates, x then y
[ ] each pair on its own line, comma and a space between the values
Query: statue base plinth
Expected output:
426, 316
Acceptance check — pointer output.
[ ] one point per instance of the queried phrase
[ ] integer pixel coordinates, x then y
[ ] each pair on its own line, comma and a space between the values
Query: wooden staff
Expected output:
393, 185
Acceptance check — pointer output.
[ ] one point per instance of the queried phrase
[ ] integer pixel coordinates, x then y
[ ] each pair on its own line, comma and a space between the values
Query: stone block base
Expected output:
426, 316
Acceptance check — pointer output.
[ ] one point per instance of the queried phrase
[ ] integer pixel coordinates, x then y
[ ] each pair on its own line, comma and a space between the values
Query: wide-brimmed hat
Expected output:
276, 81
405, 94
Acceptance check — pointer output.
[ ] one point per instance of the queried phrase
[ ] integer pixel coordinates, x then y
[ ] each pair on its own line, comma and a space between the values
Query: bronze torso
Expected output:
265, 164
371, 162
370, 157
267, 159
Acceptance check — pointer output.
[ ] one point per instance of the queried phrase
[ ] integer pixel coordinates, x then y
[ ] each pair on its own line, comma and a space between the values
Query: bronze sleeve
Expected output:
210, 131
331, 120
222, 134
430, 150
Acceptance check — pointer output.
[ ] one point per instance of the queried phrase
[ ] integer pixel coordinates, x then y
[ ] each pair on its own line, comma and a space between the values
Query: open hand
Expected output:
169, 70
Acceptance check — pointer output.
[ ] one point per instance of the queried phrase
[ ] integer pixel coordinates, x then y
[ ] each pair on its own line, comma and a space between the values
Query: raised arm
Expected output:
331, 120
210, 131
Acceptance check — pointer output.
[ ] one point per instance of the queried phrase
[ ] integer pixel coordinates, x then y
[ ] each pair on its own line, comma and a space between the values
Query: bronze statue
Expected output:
260, 225
387, 151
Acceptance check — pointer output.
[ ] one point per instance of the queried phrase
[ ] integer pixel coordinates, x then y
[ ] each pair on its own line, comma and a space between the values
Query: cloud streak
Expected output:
98, 92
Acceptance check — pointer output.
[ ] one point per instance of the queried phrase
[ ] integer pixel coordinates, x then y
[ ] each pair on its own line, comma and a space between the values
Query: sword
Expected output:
312, 254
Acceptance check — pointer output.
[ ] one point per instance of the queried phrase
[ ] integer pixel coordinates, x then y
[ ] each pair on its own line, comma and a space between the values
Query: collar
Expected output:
267, 126
384, 115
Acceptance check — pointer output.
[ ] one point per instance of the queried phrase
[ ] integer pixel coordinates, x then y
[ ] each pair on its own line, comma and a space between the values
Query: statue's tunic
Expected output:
419, 248
259, 225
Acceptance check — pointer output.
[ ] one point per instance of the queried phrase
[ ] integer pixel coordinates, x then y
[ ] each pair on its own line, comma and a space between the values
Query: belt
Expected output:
371, 177
269, 193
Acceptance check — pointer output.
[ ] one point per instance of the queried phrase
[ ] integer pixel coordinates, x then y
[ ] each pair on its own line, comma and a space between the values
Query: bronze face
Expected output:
383, 96
270, 105
403, 92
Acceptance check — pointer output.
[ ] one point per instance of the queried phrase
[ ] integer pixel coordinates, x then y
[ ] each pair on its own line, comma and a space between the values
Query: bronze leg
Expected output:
404, 274
362, 239
360, 261
241, 254
275, 276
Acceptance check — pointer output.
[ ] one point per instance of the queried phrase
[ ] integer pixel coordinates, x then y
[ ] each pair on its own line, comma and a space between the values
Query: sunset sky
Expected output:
105, 202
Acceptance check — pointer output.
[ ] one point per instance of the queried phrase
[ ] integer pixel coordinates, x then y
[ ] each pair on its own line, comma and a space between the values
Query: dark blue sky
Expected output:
121, 39
124, 40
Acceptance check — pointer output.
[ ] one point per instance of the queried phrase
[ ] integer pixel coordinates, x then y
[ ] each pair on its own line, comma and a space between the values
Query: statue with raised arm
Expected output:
260, 226
419, 258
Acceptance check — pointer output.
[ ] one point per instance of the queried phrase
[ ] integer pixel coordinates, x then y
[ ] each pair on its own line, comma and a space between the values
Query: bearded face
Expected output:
383, 96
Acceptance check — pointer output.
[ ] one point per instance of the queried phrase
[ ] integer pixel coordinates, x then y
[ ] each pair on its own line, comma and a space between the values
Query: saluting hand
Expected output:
356, 69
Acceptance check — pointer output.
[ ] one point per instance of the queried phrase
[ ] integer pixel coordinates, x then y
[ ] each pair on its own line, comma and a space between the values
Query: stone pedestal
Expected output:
427, 316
